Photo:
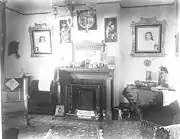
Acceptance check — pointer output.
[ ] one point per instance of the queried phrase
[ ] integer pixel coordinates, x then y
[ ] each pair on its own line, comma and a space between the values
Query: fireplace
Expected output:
90, 92
85, 97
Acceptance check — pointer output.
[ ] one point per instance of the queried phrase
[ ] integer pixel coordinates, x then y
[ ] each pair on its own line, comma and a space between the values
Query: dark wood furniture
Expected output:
42, 102
155, 116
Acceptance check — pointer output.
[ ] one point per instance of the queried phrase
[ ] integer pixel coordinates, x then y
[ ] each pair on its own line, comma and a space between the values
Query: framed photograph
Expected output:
65, 30
148, 37
110, 29
152, 76
41, 44
59, 110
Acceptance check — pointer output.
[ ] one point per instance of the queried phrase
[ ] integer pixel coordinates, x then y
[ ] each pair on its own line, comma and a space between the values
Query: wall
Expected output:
42, 67
127, 69
133, 67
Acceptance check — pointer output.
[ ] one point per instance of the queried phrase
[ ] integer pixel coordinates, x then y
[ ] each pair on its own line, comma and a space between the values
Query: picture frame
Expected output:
110, 29
148, 37
152, 76
65, 30
87, 19
59, 110
41, 43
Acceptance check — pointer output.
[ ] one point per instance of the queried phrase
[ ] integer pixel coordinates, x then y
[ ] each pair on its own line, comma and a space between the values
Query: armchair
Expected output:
159, 118
42, 102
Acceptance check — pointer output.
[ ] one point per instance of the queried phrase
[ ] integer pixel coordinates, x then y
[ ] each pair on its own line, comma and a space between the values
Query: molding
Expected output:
37, 13
13, 10
143, 6
21, 13
100, 3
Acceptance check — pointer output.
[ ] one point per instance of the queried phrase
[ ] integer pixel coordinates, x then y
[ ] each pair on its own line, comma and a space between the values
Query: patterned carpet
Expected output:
48, 127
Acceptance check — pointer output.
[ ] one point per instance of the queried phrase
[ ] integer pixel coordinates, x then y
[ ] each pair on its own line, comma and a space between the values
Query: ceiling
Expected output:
34, 6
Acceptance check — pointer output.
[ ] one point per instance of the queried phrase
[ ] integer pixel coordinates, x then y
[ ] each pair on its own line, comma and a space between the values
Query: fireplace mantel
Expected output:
102, 77
81, 73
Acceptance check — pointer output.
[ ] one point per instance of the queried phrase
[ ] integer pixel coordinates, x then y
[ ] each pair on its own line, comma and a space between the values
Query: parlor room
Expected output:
90, 69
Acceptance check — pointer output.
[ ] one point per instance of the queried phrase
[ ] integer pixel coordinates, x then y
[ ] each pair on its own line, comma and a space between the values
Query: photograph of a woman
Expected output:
148, 39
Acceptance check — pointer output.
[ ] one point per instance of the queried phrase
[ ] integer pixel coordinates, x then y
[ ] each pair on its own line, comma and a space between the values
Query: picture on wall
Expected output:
110, 29
65, 31
41, 44
87, 20
148, 38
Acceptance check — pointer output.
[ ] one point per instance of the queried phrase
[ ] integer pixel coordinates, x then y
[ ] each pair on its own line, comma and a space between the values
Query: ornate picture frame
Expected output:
41, 43
148, 38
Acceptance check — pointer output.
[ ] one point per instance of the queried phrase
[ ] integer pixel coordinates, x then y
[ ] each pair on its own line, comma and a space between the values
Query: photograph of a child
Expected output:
42, 42
148, 39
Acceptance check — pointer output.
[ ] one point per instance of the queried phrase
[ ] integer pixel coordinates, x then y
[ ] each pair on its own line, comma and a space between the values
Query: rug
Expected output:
63, 128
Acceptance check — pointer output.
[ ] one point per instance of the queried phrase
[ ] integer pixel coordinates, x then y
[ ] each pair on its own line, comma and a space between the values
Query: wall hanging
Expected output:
65, 30
41, 44
110, 29
147, 63
148, 37
87, 19
13, 48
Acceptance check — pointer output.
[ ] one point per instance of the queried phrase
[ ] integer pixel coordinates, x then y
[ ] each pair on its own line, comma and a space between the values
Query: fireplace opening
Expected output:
85, 97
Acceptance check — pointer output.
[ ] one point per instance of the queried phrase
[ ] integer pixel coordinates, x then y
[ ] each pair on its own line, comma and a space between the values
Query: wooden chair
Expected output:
15, 112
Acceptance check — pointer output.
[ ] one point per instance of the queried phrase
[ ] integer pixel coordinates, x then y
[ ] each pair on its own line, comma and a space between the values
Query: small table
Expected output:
145, 97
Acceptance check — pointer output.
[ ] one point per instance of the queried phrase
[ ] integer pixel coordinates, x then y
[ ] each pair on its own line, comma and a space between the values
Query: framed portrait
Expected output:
87, 19
152, 76
148, 37
110, 30
65, 30
40, 36
59, 110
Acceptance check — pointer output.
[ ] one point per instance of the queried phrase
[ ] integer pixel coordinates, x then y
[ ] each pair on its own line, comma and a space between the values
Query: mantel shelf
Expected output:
87, 70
